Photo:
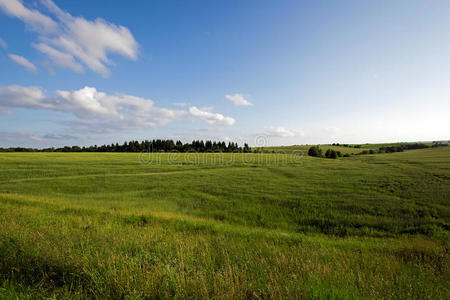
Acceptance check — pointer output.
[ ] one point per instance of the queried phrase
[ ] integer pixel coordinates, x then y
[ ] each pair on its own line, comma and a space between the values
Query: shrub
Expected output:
331, 154
439, 144
315, 151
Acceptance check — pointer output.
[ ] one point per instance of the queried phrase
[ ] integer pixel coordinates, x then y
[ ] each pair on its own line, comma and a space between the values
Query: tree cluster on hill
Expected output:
147, 145
439, 144
346, 145
317, 152
333, 154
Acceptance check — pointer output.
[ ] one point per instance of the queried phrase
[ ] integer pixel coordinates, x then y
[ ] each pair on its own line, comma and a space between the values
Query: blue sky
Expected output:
288, 72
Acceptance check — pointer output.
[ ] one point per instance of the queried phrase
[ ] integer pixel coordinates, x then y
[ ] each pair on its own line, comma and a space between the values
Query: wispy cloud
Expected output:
33, 139
23, 62
19, 135
32, 18
59, 137
282, 132
331, 130
3, 44
101, 112
238, 100
180, 104
60, 58
74, 42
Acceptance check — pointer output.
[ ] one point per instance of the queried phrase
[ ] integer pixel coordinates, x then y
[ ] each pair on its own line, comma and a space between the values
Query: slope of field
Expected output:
305, 148
224, 226
350, 149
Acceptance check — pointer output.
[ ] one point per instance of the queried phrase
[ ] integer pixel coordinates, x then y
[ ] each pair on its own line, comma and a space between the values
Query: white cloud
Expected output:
92, 107
23, 62
101, 112
3, 44
207, 108
125, 110
282, 132
33, 18
238, 100
70, 42
18, 96
210, 118
59, 58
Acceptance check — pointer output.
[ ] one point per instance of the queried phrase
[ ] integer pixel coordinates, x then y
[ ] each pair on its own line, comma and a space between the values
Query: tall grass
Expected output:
108, 226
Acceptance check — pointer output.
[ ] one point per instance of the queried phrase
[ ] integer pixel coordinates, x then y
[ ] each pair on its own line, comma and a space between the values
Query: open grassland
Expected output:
348, 149
304, 149
83, 225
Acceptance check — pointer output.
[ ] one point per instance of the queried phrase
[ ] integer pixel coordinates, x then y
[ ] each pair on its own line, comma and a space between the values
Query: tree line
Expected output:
158, 145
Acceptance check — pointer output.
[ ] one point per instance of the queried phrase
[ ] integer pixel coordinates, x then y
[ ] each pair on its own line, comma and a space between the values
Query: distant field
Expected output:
387, 144
350, 149
122, 225
304, 149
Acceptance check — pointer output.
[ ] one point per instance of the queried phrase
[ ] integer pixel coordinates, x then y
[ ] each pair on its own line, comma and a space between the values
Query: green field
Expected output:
350, 149
304, 149
225, 226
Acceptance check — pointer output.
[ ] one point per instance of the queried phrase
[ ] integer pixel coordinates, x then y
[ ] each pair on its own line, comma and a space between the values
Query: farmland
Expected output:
234, 225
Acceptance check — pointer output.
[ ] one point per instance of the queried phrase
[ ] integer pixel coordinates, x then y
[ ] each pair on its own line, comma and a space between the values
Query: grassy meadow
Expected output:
304, 148
225, 226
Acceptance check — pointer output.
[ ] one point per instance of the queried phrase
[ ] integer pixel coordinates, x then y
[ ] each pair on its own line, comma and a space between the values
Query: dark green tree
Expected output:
315, 151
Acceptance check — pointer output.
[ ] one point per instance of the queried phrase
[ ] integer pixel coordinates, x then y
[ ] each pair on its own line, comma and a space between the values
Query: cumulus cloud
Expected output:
209, 117
23, 62
73, 42
98, 112
27, 97
238, 100
126, 111
3, 44
282, 132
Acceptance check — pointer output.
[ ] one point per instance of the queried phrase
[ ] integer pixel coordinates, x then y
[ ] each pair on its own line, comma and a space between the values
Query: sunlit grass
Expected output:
83, 225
